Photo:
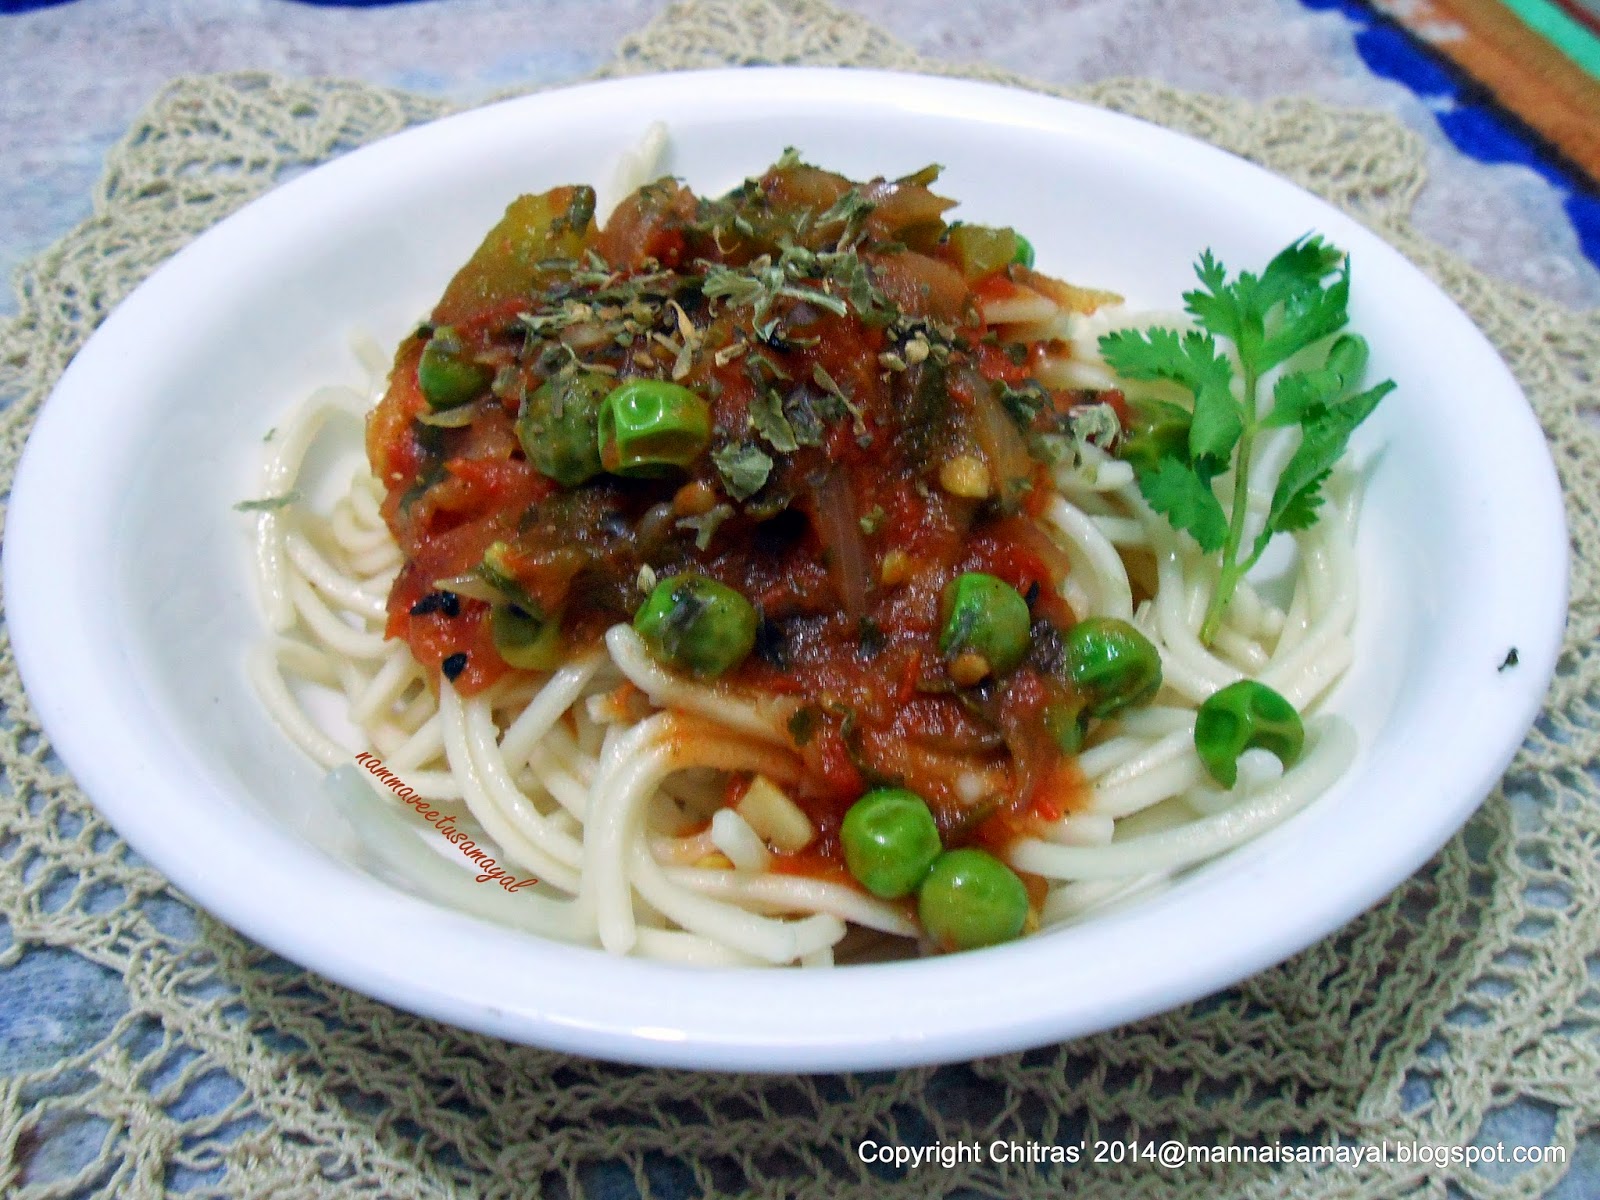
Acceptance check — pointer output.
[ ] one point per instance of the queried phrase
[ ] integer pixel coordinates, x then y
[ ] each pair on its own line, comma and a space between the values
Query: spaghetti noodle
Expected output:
690, 535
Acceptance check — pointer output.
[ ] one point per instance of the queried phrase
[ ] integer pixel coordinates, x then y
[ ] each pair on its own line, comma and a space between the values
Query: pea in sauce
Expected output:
783, 406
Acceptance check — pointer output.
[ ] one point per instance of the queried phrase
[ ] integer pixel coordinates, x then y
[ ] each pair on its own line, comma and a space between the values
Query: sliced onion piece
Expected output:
840, 531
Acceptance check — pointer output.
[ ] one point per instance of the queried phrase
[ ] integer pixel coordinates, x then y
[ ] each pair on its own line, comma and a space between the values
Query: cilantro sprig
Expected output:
1301, 299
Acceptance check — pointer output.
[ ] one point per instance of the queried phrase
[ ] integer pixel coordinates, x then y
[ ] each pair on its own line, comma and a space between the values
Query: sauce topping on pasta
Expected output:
799, 436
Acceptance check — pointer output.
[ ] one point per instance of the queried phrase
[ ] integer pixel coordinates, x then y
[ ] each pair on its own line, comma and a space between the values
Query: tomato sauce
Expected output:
855, 394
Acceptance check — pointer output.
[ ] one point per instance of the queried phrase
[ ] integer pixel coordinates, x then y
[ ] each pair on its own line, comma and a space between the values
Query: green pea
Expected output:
559, 424
651, 427
1157, 429
698, 624
1245, 716
525, 638
1023, 255
969, 899
890, 840
987, 616
1112, 664
446, 378
1065, 723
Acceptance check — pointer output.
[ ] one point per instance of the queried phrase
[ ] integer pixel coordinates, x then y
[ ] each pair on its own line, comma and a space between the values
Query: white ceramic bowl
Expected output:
131, 606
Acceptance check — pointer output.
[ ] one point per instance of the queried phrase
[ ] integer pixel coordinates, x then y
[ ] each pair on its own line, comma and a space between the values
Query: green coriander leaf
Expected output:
1210, 272
1308, 316
1190, 360
1187, 501
1194, 362
1347, 358
830, 408
822, 300
1215, 430
1300, 395
1300, 298
1300, 266
1299, 510
826, 382
766, 414
1227, 310
744, 468
1150, 354
1322, 444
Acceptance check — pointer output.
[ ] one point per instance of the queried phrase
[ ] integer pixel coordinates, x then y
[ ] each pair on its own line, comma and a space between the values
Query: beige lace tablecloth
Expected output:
1464, 1010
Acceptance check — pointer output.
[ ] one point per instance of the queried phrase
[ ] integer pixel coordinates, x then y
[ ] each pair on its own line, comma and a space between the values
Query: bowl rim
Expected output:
281, 892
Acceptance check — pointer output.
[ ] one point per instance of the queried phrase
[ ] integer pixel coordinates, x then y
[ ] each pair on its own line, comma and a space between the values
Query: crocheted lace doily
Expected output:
1463, 1010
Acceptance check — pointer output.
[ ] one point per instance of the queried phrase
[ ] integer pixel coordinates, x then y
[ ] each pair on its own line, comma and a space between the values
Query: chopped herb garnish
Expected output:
766, 415
744, 468
270, 503
850, 275
799, 408
1024, 403
1064, 437
827, 383
762, 370
758, 284
1095, 425
803, 725
848, 211
705, 525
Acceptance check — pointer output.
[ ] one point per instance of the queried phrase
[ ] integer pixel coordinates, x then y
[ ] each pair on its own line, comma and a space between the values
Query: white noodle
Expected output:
621, 809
